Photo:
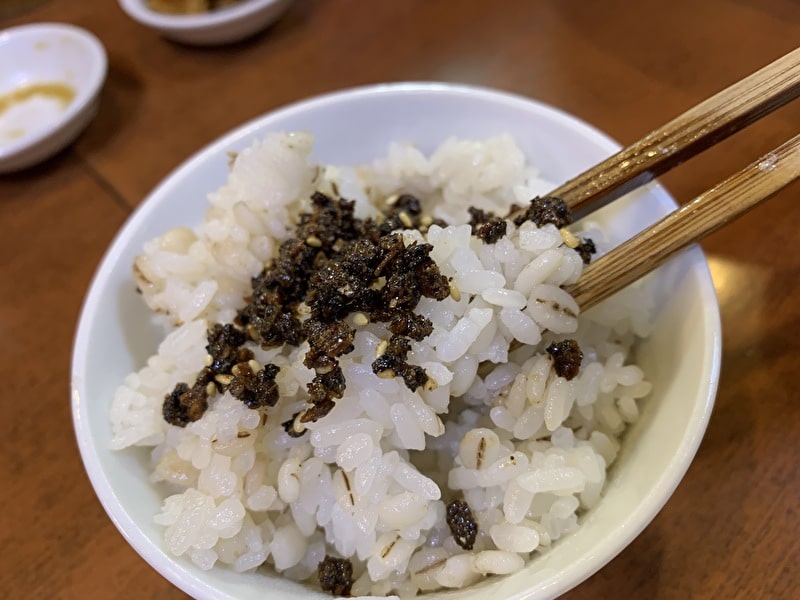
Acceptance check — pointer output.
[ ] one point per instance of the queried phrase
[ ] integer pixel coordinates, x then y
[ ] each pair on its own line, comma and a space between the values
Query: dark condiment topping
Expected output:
321, 391
270, 316
486, 226
335, 575
336, 265
328, 341
376, 275
228, 365
254, 389
393, 363
184, 404
492, 231
586, 248
224, 346
409, 204
406, 213
477, 217
544, 210
567, 357
461, 523
415, 326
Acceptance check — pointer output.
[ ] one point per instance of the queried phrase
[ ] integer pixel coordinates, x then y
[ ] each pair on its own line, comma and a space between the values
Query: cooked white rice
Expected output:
527, 449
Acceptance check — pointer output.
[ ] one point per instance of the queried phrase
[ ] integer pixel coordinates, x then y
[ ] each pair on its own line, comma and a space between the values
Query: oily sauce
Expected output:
58, 91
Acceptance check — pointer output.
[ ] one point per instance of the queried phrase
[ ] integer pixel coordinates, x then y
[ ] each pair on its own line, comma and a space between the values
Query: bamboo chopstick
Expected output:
703, 215
697, 129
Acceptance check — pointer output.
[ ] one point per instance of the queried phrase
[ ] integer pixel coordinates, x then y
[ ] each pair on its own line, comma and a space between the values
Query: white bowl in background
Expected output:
40, 66
681, 358
222, 26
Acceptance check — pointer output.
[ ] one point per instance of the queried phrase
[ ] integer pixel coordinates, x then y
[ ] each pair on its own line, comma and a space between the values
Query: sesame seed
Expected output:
569, 238
299, 421
314, 241
360, 319
239, 369
454, 293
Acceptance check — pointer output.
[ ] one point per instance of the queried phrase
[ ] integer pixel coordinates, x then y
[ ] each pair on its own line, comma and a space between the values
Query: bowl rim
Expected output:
139, 11
639, 518
98, 68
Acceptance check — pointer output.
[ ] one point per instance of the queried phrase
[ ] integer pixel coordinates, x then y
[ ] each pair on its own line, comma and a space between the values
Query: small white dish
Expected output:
222, 26
50, 79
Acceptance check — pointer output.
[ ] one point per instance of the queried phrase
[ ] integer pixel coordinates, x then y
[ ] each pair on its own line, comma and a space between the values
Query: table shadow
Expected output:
120, 98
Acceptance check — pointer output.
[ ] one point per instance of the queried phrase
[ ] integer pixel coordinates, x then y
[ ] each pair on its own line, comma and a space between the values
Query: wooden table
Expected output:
731, 528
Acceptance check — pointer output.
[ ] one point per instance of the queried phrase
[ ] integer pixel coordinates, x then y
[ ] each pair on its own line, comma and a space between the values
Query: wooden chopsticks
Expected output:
709, 211
699, 128
689, 134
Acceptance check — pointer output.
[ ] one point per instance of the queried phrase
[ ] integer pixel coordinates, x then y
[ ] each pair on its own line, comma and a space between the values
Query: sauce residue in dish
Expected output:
32, 108
60, 91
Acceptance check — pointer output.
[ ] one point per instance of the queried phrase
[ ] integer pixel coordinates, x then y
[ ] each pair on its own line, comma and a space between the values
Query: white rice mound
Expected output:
527, 449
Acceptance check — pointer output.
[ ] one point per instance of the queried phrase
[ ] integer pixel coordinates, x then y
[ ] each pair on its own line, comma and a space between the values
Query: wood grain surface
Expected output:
758, 182
731, 528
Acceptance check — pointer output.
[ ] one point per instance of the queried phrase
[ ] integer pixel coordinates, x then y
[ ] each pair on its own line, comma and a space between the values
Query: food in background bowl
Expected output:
188, 7
233, 22
680, 357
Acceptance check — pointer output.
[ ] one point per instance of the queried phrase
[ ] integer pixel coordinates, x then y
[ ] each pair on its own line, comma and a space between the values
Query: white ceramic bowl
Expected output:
682, 356
223, 26
49, 58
